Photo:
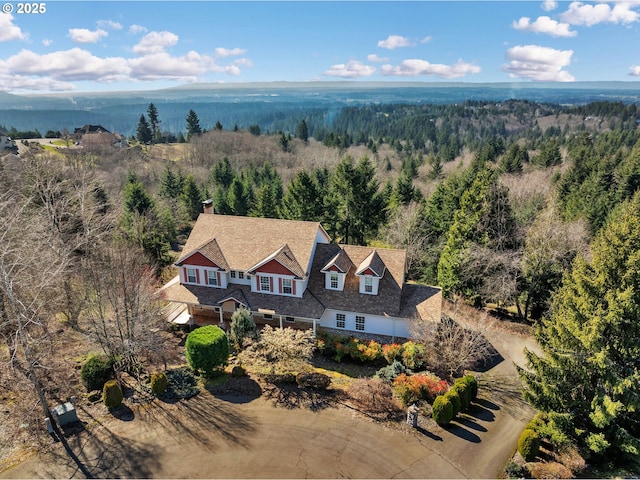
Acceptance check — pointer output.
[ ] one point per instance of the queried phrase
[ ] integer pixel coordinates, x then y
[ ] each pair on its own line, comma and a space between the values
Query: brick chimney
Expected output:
207, 206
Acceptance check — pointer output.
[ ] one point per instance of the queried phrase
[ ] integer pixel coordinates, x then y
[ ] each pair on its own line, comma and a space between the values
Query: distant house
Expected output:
6, 143
97, 135
287, 273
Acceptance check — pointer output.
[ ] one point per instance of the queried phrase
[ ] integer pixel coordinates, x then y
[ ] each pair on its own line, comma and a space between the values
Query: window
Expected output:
241, 275
233, 274
368, 284
359, 323
289, 319
265, 284
334, 280
341, 320
248, 277
286, 286
212, 278
191, 275
267, 316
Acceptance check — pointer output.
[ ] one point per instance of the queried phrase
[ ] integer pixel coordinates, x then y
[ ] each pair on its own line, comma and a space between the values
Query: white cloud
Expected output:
110, 24
375, 58
546, 25
538, 63
46, 42
155, 42
352, 69
9, 31
135, 29
394, 41
226, 52
243, 61
84, 35
591, 14
414, 67
426, 39
548, 5
635, 71
66, 65
19, 82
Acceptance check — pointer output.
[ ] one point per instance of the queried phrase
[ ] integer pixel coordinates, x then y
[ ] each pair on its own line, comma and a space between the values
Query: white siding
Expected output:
374, 324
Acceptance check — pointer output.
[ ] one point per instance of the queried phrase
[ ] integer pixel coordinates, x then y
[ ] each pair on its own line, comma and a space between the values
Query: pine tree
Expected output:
302, 200
237, 198
154, 123
191, 198
589, 369
143, 134
302, 132
193, 124
171, 184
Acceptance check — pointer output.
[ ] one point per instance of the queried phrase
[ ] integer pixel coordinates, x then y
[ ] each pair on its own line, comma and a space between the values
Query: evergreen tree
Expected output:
238, 198
136, 199
154, 123
191, 198
171, 184
355, 205
218, 126
284, 141
302, 132
143, 134
589, 368
303, 199
193, 124
266, 205
222, 173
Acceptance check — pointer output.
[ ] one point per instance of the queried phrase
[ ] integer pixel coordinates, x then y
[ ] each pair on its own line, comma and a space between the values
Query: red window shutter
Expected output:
293, 287
197, 276
280, 285
257, 283
185, 275
218, 275
271, 284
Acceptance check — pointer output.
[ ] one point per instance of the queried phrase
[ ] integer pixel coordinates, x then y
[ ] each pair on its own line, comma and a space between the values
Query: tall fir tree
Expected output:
143, 133
589, 367
193, 124
303, 199
191, 198
154, 123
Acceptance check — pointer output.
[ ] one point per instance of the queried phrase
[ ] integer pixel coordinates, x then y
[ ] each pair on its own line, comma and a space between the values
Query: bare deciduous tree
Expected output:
404, 231
123, 310
453, 345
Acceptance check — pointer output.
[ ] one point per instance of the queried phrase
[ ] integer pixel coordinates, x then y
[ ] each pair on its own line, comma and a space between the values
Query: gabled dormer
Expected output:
205, 265
335, 271
280, 273
370, 271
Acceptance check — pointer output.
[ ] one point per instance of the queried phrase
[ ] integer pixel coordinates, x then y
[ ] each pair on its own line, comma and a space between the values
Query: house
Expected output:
6, 143
97, 135
287, 273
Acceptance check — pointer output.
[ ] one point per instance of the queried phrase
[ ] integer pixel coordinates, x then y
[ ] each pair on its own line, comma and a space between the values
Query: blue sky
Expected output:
89, 46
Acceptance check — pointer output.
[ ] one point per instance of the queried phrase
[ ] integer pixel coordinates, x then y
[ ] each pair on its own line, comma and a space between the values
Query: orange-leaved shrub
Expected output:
421, 386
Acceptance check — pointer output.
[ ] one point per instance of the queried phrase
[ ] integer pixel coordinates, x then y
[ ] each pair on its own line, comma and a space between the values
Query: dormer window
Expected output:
287, 287
191, 275
333, 280
368, 284
265, 284
212, 278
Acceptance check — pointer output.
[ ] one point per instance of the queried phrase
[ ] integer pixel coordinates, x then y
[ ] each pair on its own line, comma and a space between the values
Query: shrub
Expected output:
391, 372
112, 394
421, 386
456, 403
238, 371
471, 381
414, 355
374, 397
314, 380
549, 470
513, 470
96, 371
242, 326
370, 351
206, 349
392, 352
442, 410
159, 383
464, 392
529, 445
181, 383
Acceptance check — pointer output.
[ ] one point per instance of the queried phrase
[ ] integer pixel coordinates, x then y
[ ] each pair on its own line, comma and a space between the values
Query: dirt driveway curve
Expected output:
209, 437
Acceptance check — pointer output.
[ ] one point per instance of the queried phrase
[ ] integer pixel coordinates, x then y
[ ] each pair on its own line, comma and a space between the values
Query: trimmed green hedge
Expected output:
206, 349
112, 394
96, 371
442, 410
159, 383
529, 445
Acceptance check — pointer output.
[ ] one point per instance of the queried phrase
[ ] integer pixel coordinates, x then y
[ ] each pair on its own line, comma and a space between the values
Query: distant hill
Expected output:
277, 106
